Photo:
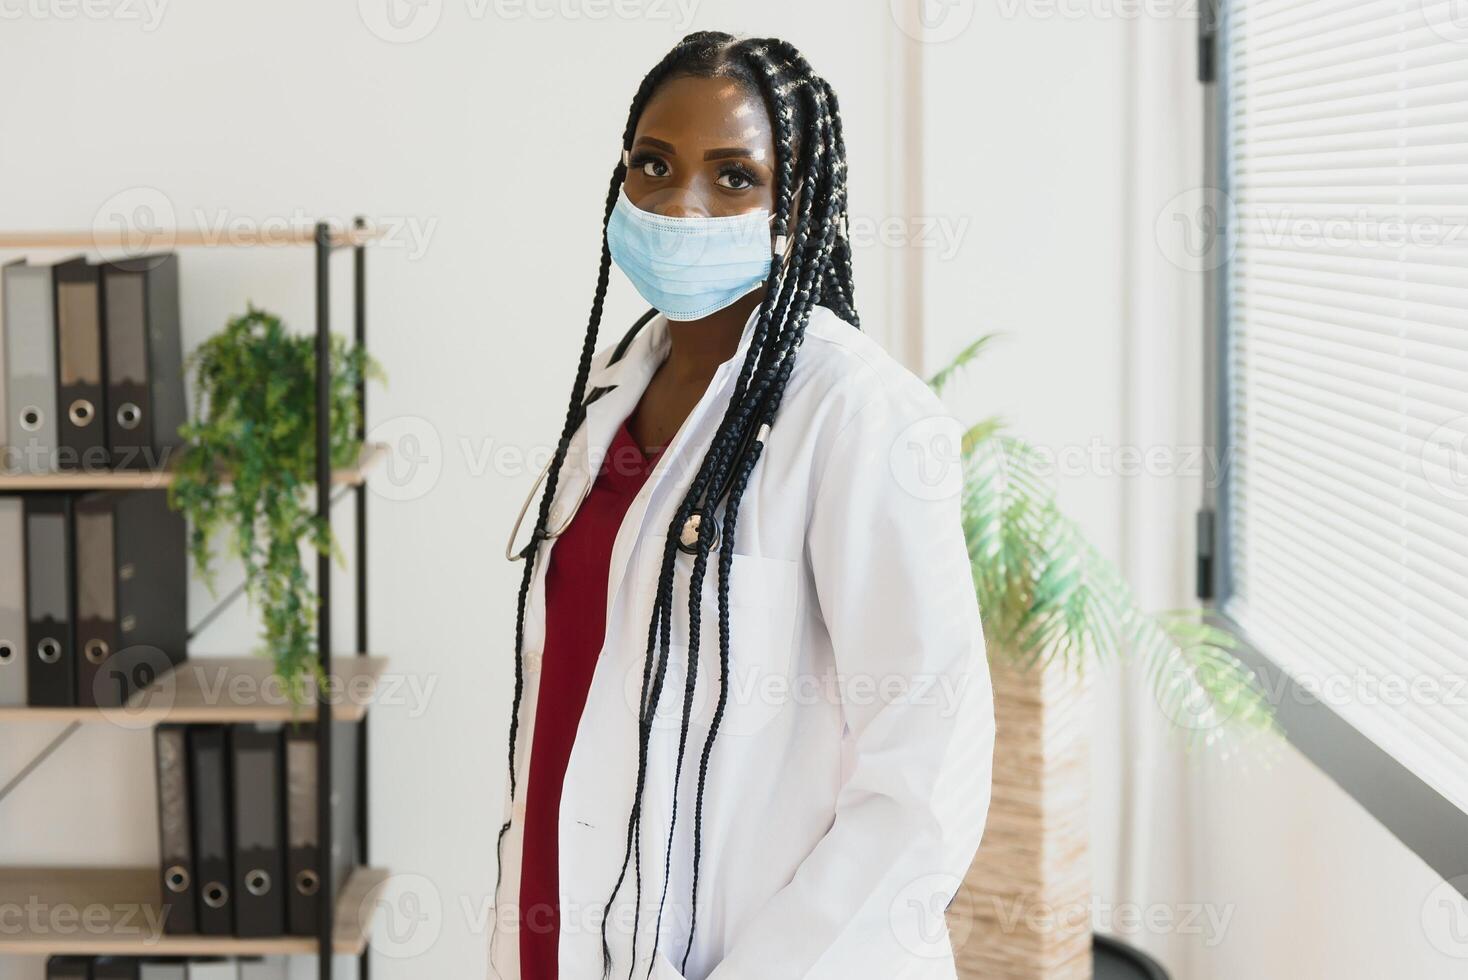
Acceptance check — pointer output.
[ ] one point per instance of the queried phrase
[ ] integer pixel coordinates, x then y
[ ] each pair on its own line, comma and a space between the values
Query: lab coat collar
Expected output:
628, 378
649, 348
625, 381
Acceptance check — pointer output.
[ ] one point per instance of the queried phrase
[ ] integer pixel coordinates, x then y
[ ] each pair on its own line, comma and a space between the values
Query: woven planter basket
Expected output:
1023, 911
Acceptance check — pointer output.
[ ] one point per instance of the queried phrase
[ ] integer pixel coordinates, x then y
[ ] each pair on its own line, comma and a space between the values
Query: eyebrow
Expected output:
658, 144
718, 153
730, 151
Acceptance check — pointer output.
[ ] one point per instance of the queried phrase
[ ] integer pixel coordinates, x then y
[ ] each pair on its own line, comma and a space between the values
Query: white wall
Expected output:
488, 143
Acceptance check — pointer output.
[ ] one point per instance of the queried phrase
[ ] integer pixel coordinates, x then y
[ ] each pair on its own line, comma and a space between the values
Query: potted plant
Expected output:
1053, 608
249, 463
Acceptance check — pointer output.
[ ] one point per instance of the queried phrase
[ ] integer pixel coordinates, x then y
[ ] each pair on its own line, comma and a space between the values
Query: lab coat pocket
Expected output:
763, 601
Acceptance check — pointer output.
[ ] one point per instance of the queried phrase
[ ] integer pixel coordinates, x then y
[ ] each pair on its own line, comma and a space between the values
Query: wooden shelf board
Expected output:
372, 454
116, 912
223, 690
163, 239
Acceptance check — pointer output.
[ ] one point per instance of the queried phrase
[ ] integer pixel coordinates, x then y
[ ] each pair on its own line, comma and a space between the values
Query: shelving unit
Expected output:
181, 696
128, 897
355, 475
189, 695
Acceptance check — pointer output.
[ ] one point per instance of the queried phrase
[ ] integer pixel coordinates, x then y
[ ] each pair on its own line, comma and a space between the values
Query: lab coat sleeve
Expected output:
894, 586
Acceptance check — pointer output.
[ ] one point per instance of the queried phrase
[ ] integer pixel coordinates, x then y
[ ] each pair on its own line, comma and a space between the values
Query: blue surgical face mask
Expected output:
688, 268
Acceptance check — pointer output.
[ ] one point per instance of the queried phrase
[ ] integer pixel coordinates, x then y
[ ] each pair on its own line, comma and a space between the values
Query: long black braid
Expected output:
810, 156
798, 290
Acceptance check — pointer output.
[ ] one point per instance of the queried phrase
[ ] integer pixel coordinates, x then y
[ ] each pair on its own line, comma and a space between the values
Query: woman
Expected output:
752, 728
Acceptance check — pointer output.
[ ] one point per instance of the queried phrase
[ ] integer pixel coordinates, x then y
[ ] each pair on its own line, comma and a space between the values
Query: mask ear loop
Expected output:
782, 242
782, 248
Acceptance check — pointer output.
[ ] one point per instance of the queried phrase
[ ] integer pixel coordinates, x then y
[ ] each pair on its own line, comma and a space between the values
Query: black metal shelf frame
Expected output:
326, 896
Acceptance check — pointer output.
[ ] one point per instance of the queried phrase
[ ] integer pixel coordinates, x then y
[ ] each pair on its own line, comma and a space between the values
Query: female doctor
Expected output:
752, 729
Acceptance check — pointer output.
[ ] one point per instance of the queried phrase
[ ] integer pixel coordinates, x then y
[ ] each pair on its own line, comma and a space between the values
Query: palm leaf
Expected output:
964, 357
1047, 595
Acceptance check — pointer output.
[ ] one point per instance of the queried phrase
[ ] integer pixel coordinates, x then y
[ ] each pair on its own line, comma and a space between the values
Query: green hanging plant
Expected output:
1046, 592
249, 464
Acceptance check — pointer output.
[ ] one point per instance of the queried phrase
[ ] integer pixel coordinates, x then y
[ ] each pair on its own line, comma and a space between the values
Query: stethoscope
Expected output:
703, 520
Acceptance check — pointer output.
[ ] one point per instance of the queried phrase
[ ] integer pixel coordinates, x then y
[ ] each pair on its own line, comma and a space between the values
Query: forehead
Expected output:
703, 113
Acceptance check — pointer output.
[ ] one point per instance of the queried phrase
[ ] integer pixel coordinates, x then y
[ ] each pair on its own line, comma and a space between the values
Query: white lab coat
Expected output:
849, 783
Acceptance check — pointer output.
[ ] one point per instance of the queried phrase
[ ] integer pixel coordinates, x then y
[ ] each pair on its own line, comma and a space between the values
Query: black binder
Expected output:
175, 829
209, 774
114, 968
132, 593
259, 867
80, 391
50, 601
305, 865
96, 594
68, 968
152, 590
145, 383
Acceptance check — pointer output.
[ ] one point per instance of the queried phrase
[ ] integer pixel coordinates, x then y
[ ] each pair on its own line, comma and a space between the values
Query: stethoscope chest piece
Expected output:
693, 529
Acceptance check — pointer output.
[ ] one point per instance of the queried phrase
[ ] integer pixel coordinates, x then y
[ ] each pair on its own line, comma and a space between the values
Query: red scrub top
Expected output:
575, 625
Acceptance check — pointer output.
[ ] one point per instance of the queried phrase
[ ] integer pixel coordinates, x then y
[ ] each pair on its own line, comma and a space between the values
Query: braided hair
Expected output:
810, 154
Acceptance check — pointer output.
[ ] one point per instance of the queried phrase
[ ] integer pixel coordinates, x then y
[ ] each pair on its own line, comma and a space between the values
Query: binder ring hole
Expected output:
177, 879
48, 650
308, 882
31, 418
129, 415
95, 651
7, 652
80, 412
215, 895
257, 882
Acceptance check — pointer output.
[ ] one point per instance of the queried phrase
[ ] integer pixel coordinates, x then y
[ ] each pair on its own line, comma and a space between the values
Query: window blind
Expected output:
1346, 486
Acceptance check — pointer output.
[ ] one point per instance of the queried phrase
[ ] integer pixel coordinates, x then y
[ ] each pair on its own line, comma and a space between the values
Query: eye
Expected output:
737, 178
650, 165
